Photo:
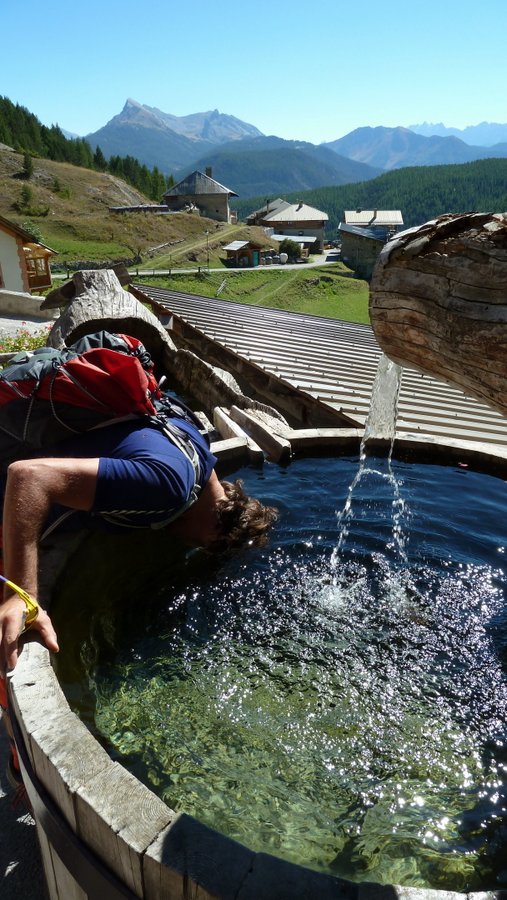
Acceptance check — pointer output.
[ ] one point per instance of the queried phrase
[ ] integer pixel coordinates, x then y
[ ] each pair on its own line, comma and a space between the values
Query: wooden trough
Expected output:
102, 833
438, 302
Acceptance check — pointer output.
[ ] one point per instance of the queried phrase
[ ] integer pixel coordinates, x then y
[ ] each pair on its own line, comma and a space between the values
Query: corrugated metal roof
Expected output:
236, 245
373, 217
335, 361
360, 232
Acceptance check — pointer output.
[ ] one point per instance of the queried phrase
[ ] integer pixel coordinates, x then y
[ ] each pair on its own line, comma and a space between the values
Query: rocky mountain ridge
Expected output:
251, 163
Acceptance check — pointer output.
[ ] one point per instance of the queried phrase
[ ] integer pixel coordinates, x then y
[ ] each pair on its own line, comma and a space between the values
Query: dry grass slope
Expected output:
78, 223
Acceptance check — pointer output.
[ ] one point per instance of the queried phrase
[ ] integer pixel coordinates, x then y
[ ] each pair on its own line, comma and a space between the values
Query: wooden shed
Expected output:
244, 253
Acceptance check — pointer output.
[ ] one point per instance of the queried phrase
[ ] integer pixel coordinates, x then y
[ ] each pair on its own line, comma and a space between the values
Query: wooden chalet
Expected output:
24, 262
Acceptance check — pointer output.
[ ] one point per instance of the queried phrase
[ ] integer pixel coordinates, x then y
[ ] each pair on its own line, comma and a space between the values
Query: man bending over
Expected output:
126, 475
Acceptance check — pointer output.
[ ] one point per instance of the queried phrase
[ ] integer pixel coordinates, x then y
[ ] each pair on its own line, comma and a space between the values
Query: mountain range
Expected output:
483, 135
396, 148
253, 164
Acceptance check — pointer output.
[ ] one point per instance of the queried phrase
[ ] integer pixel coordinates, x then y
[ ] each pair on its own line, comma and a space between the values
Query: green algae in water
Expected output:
346, 715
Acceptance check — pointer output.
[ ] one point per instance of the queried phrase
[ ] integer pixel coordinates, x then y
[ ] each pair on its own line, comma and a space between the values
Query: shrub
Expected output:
291, 248
24, 340
33, 230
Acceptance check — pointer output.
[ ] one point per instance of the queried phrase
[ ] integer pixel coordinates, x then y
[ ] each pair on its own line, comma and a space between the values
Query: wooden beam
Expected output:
228, 428
276, 447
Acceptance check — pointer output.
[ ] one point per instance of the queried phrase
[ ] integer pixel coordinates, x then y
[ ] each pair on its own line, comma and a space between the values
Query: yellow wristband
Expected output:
32, 607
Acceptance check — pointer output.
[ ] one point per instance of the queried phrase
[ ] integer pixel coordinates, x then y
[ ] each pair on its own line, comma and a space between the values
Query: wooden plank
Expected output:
308, 439
191, 860
230, 449
228, 428
118, 818
276, 447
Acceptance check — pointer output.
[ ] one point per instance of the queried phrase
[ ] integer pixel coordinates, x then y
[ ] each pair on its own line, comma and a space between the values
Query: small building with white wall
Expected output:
24, 269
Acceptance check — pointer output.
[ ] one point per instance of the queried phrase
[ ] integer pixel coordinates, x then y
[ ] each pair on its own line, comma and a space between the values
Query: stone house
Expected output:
363, 233
200, 191
360, 249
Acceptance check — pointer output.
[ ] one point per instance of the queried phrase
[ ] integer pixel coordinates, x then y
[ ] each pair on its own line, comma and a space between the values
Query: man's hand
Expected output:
12, 612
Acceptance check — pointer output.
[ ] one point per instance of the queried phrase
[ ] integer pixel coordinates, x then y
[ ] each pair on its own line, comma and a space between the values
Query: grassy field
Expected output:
328, 291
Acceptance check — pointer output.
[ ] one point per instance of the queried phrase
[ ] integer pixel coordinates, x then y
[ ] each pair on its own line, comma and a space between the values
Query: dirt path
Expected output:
283, 286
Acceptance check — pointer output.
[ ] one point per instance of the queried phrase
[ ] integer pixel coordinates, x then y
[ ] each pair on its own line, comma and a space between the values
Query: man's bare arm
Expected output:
33, 487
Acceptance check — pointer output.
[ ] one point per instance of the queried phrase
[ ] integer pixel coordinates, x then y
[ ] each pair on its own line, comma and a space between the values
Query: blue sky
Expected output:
299, 69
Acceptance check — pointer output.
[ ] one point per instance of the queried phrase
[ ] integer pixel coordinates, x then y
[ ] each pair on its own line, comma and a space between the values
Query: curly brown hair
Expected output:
243, 519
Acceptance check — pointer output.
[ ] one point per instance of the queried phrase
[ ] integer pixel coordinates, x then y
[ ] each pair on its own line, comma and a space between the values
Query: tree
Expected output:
26, 198
99, 160
27, 165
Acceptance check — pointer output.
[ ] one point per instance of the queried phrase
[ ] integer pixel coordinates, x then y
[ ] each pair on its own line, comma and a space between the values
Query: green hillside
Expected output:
421, 192
267, 166
69, 207
328, 291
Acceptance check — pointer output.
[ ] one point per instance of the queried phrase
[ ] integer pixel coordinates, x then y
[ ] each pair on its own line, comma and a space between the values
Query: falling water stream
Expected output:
338, 698
380, 424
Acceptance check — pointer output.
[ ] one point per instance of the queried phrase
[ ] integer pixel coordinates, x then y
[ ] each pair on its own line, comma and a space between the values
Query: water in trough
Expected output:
338, 698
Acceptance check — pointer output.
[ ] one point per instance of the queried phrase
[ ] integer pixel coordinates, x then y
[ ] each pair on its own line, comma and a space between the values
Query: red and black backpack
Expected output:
50, 395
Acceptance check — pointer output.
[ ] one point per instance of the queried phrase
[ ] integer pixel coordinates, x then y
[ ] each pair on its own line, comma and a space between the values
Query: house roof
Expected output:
24, 235
198, 183
365, 217
271, 206
238, 245
360, 232
296, 212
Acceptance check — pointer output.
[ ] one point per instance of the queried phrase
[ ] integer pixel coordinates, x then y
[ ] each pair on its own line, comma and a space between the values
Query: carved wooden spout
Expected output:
438, 302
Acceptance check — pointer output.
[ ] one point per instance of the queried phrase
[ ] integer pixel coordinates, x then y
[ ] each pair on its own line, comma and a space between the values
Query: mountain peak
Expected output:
130, 102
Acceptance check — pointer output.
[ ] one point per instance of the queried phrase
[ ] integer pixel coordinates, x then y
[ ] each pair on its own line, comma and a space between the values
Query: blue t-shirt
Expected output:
144, 479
